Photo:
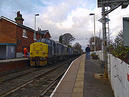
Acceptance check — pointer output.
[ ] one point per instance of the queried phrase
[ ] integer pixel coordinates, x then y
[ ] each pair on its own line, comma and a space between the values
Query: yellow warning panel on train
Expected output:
38, 49
38, 54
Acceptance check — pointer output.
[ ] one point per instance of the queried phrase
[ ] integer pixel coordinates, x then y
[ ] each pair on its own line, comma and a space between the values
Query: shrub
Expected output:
122, 53
94, 56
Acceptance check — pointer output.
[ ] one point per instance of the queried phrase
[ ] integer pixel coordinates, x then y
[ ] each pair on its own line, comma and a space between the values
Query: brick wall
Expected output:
38, 36
47, 36
0, 25
23, 42
7, 32
11, 33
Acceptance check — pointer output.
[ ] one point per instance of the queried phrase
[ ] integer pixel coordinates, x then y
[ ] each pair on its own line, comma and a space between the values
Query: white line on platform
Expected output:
62, 78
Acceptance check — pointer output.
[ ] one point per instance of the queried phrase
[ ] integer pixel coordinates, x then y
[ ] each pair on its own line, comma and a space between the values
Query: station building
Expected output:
14, 37
126, 31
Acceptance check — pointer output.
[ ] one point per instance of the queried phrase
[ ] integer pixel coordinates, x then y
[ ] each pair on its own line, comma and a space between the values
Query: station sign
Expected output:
102, 20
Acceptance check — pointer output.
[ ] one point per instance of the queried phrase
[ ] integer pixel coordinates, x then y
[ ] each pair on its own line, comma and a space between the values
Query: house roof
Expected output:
20, 25
2, 17
25, 27
43, 31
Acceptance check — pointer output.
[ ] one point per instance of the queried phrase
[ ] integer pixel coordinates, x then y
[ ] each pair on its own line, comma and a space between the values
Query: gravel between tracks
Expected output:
28, 89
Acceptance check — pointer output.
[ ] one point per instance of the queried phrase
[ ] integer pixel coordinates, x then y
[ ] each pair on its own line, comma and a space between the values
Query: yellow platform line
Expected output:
79, 84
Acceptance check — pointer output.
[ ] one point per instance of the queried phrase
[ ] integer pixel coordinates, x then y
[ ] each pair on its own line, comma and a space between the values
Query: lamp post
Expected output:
35, 26
94, 30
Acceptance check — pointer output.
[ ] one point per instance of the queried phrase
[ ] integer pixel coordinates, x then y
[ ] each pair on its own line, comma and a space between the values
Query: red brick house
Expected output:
14, 36
44, 34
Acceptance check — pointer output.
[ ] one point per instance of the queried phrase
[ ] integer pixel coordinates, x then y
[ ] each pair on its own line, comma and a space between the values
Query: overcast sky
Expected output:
64, 16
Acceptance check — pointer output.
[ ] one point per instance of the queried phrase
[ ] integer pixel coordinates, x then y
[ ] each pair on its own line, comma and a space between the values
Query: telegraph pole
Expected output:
94, 31
105, 56
113, 4
35, 26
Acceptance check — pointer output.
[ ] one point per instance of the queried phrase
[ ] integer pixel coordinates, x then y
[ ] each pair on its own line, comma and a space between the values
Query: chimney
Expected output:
19, 18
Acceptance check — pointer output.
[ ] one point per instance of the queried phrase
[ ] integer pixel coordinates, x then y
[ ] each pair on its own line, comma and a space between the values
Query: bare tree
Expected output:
98, 43
66, 39
119, 39
78, 47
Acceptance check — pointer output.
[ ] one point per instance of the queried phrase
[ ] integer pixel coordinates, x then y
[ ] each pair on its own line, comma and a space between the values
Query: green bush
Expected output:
121, 52
94, 56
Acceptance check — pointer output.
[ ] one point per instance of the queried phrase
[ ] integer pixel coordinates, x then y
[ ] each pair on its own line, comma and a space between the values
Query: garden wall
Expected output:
118, 73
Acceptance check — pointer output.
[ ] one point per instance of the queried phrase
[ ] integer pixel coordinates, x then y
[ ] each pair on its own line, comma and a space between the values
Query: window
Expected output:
18, 41
24, 34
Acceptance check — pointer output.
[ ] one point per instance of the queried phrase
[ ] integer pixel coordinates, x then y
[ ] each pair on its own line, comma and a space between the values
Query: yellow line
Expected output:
63, 77
79, 84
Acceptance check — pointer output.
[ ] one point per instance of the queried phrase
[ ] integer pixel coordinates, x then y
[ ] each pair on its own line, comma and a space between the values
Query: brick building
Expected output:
14, 37
44, 34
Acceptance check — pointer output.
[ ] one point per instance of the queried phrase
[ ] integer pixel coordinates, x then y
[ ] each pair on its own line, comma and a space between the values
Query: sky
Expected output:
64, 16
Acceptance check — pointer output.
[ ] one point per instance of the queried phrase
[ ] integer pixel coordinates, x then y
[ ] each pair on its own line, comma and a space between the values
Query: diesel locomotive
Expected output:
48, 50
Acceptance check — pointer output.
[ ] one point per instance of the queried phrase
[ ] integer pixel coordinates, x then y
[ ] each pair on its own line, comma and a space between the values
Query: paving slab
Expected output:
79, 81
70, 86
94, 87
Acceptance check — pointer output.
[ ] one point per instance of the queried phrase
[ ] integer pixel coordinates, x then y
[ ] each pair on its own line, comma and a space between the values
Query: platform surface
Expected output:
79, 81
13, 64
13, 60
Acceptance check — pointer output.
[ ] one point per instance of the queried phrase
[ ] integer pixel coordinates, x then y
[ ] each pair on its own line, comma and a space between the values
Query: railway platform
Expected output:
12, 64
13, 60
79, 81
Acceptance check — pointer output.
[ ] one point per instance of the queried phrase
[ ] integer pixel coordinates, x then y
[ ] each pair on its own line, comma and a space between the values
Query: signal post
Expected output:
112, 4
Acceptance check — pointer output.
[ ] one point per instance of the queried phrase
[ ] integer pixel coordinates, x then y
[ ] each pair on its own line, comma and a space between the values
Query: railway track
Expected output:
14, 75
47, 92
38, 80
6, 73
19, 73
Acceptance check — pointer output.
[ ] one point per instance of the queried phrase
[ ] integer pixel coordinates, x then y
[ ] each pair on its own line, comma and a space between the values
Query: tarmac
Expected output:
80, 80
95, 87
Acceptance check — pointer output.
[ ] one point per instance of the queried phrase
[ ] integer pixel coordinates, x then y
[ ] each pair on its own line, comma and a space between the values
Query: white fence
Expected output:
118, 72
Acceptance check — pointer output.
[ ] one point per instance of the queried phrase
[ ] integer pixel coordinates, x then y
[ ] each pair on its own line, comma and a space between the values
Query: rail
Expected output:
36, 76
